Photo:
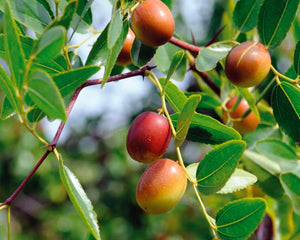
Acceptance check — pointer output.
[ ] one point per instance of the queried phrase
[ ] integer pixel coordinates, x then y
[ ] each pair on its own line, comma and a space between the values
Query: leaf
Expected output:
83, 17
297, 58
176, 60
35, 115
80, 200
140, 53
47, 6
279, 152
218, 165
208, 57
68, 81
240, 179
185, 119
67, 16
13, 49
275, 19
285, 213
7, 110
99, 52
266, 171
245, 14
245, 93
45, 94
50, 44
115, 29
207, 101
285, 102
30, 13
206, 129
114, 53
163, 59
291, 183
239, 219
174, 96
9, 90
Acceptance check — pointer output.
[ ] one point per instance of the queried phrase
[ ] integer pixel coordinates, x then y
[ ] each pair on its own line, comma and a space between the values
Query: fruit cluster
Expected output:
152, 23
164, 182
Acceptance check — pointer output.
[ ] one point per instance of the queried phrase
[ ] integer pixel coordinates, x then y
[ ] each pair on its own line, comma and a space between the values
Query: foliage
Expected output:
242, 184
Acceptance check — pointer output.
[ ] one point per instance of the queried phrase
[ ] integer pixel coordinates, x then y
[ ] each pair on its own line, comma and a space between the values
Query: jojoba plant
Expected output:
161, 186
153, 23
247, 64
124, 57
148, 137
243, 125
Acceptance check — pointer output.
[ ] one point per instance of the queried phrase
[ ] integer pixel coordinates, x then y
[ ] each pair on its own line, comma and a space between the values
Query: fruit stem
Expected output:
294, 81
8, 224
207, 216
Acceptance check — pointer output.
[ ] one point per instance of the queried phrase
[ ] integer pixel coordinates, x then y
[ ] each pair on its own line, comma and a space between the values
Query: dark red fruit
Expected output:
148, 137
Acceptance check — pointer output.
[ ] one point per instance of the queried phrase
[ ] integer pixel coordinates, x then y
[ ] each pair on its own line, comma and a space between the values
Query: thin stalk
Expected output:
294, 81
192, 48
8, 224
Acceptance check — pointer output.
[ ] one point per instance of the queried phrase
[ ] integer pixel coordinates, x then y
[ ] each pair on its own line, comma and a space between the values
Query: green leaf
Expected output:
297, 58
115, 29
68, 81
206, 129
30, 13
114, 53
47, 6
208, 57
240, 179
285, 102
239, 219
176, 60
218, 165
140, 53
245, 14
67, 15
43, 91
207, 101
80, 200
185, 119
7, 110
9, 90
50, 44
163, 59
284, 213
279, 152
174, 96
245, 93
291, 183
16, 61
35, 115
266, 171
99, 52
83, 17
275, 19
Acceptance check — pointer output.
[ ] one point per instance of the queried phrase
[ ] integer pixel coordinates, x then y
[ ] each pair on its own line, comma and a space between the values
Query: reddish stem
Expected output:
190, 47
53, 144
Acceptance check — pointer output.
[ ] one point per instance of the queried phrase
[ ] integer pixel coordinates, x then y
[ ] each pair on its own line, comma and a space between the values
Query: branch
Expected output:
51, 147
192, 48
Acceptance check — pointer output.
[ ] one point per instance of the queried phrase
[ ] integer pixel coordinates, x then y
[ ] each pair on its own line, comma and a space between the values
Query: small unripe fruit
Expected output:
148, 137
124, 57
245, 125
161, 186
247, 64
153, 23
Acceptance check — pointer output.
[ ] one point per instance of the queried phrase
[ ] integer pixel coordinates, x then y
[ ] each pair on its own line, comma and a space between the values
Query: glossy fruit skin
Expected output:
148, 137
161, 186
124, 57
247, 64
153, 23
245, 125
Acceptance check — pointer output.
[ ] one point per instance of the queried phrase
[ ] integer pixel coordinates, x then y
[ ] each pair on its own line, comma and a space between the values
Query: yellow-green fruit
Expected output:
161, 186
247, 64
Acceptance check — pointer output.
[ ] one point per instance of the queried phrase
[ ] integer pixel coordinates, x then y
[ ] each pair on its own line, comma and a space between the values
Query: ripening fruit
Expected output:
161, 186
124, 57
245, 125
148, 137
153, 23
247, 64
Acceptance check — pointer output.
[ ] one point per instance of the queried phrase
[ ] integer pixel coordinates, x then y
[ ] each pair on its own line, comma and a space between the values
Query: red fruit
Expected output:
148, 137
161, 186
245, 125
124, 57
247, 64
153, 23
